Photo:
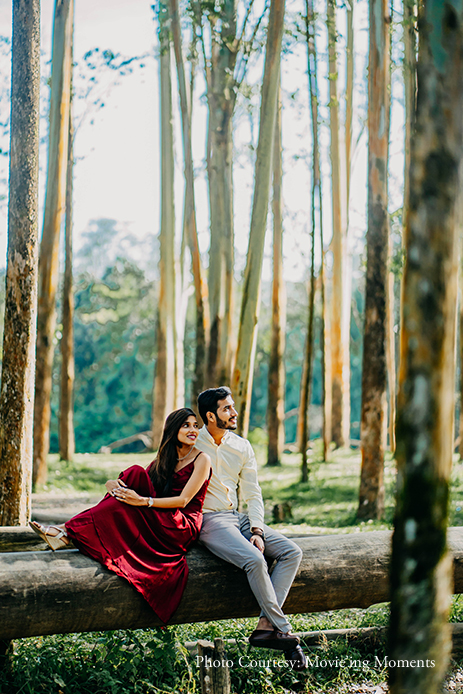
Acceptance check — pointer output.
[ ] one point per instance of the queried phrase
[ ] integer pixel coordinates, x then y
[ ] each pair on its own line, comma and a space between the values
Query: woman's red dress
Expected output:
147, 546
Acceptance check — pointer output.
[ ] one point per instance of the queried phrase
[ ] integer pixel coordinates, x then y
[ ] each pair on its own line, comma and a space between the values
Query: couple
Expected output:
144, 526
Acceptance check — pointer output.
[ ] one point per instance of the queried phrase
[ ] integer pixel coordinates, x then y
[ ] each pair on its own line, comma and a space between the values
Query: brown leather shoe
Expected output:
296, 659
263, 638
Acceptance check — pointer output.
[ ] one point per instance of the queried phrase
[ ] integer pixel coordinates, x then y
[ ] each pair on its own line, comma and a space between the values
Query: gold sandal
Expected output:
53, 541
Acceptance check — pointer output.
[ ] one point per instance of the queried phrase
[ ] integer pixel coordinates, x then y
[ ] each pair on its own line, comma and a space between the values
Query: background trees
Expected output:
371, 502
16, 396
53, 215
420, 562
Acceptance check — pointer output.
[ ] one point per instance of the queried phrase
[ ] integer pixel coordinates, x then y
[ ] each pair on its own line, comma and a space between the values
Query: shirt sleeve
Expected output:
250, 489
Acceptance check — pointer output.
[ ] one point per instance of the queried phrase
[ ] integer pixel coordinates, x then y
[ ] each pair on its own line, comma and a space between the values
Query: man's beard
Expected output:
222, 424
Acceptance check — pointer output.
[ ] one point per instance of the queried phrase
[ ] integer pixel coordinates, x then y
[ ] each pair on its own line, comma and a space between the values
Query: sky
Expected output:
117, 148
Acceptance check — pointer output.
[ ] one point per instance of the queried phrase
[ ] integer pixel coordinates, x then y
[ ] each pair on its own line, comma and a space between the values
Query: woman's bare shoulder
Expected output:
203, 460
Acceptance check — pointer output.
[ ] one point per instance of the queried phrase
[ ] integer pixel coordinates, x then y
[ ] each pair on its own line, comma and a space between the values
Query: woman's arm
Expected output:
200, 475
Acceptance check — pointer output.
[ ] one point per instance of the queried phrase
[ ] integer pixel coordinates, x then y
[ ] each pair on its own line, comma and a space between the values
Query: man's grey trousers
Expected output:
227, 534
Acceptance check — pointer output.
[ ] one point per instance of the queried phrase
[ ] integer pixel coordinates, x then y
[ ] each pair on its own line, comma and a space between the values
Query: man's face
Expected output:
227, 416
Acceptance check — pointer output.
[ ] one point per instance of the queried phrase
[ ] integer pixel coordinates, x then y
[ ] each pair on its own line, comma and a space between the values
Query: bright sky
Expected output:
117, 173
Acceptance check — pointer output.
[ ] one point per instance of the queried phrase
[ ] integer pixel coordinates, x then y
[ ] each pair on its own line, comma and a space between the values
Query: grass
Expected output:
156, 660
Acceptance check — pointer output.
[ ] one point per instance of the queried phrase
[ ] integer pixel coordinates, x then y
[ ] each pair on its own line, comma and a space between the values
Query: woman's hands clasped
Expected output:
119, 490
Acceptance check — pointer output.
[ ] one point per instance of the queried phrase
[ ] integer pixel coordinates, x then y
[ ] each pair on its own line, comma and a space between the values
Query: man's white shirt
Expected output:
233, 463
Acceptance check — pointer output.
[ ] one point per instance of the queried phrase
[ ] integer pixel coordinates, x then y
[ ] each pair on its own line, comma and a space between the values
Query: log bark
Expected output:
49, 246
17, 387
421, 566
250, 305
65, 591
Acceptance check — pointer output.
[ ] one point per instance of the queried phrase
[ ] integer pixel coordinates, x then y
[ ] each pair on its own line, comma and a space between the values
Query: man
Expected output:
243, 539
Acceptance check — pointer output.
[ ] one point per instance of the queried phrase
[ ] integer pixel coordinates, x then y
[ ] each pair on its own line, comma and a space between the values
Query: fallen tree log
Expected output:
65, 592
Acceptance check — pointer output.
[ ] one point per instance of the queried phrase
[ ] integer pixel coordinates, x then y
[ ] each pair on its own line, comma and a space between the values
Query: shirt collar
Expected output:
210, 438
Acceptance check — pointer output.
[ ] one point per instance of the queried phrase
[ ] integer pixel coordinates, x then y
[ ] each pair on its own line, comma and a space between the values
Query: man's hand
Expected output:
258, 542
257, 539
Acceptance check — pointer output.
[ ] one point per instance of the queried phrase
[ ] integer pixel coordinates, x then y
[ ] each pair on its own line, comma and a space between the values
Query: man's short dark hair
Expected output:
208, 399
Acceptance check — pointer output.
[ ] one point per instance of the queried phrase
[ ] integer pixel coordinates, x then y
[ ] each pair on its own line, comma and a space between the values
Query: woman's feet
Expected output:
54, 535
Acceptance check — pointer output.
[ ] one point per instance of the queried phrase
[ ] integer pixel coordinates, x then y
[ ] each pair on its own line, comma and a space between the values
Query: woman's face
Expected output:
188, 432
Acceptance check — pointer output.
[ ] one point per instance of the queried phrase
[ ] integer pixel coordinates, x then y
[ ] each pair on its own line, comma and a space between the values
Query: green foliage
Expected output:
112, 662
114, 346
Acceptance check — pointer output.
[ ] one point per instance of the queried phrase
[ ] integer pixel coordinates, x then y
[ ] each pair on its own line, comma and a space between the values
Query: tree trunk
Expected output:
460, 447
66, 410
409, 73
390, 351
165, 390
308, 360
276, 367
324, 320
17, 386
202, 320
421, 575
337, 241
347, 264
65, 591
182, 269
49, 247
371, 496
243, 373
221, 102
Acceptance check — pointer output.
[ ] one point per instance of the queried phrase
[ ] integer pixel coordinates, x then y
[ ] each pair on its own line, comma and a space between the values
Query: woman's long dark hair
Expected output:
162, 468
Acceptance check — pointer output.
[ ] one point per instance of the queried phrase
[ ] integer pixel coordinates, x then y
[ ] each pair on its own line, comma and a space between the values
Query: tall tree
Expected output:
221, 82
226, 50
17, 387
202, 313
374, 374
243, 373
347, 256
315, 190
391, 350
409, 77
276, 366
337, 241
165, 390
49, 248
460, 447
421, 567
66, 408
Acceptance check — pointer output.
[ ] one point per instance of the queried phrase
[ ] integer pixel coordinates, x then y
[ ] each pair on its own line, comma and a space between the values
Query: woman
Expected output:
144, 526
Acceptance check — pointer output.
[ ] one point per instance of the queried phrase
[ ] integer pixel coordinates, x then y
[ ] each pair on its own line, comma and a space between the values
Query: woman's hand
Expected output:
111, 485
128, 496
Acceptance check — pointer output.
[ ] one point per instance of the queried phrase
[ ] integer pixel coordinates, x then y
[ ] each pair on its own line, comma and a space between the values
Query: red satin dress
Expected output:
147, 546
